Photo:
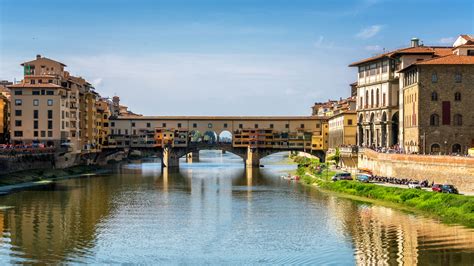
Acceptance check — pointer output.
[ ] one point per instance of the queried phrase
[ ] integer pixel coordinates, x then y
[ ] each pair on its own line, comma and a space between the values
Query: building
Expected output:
437, 93
379, 110
343, 129
5, 97
333, 107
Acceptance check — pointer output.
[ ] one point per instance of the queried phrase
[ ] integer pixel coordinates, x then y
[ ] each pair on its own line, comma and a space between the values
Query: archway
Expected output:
456, 148
372, 130
394, 129
361, 130
209, 137
195, 136
435, 149
225, 137
384, 129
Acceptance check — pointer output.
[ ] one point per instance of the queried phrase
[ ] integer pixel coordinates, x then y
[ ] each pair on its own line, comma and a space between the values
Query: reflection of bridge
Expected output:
251, 138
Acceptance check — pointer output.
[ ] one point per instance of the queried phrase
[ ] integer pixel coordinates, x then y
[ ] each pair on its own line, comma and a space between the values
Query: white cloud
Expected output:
369, 32
447, 40
373, 48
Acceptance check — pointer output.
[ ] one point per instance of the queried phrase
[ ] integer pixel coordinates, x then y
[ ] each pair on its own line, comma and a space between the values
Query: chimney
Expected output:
415, 42
38, 56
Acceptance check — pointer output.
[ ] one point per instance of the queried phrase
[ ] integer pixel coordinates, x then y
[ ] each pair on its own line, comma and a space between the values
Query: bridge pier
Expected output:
170, 159
192, 157
253, 158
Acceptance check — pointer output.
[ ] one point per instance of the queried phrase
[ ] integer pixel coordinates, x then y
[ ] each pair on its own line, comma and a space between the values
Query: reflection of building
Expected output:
378, 92
437, 96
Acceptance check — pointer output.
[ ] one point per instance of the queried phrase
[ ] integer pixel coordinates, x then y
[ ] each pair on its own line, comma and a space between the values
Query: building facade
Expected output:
343, 130
378, 94
437, 93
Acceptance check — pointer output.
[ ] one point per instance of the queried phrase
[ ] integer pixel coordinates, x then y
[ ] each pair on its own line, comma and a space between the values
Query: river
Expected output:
216, 212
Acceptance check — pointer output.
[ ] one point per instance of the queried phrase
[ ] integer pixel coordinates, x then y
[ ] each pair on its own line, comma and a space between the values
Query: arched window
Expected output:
434, 96
377, 99
458, 120
366, 99
456, 148
372, 98
434, 120
457, 96
435, 148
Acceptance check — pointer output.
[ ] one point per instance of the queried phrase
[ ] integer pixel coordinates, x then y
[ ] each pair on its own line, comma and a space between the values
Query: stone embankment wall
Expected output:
458, 171
9, 164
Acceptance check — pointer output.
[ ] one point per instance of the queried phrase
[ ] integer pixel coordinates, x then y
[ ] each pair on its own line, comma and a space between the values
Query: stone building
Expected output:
343, 129
437, 93
4, 112
378, 105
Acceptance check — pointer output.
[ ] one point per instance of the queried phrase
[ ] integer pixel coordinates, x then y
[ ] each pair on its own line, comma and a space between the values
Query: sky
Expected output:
220, 57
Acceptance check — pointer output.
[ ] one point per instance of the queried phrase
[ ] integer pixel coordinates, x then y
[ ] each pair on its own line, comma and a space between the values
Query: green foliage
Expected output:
451, 208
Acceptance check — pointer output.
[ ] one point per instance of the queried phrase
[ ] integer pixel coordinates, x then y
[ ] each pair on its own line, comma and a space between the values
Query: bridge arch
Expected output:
225, 136
195, 136
210, 137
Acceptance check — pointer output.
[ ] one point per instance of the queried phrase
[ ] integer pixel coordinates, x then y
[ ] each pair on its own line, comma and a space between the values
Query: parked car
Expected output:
414, 184
449, 189
365, 178
342, 176
436, 187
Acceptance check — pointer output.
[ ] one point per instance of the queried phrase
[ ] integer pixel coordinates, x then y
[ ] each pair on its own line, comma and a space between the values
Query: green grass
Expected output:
449, 208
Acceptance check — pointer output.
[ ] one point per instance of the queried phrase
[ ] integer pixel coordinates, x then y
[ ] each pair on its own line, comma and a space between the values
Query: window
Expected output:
256, 125
50, 114
133, 124
385, 67
209, 125
32, 81
18, 92
43, 92
163, 125
18, 102
49, 92
50, 102
302, 126
112, 124
35, 124
318, 125
434, 120
40, 81
241, 126
435, 148
35, 93
35, 134
225, 125
372, 98
446, 107
271, 125
195, 125
50, 124
148, 125
377, 99
179, 125
43, 133
35, 102
349, 122
18, 123
18, 133
17, 112
50, 134
458, 77
35, 114
457, 96
434, 96
434, 77
458, 120
287, 125
50, 81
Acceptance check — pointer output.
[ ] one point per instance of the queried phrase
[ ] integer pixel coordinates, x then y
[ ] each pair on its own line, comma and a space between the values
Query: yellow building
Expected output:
343, 129
4, 114
320, 141
102, 122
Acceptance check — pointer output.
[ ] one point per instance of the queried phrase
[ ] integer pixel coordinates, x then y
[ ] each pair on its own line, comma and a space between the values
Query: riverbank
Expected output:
45, 177
448, 208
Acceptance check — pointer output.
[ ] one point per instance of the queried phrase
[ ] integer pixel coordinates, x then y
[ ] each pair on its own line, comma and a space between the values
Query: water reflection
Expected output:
216, 211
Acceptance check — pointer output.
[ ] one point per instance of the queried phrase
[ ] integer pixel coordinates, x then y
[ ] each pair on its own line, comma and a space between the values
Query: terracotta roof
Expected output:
445, 60
467, 37
40, 85
42, 58
435, 50
464, 46
223, 118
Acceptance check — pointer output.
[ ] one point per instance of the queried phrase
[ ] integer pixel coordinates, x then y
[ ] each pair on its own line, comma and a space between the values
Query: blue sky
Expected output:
226, 57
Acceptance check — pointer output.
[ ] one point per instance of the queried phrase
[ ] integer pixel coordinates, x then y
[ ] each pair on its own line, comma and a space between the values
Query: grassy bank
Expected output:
447, 207
45, 174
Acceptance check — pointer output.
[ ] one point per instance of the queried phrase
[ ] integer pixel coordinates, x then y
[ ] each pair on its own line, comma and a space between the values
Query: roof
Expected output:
464, 46
434, 50
32, 61
445, 60
39, 85
467, 37
284, 118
